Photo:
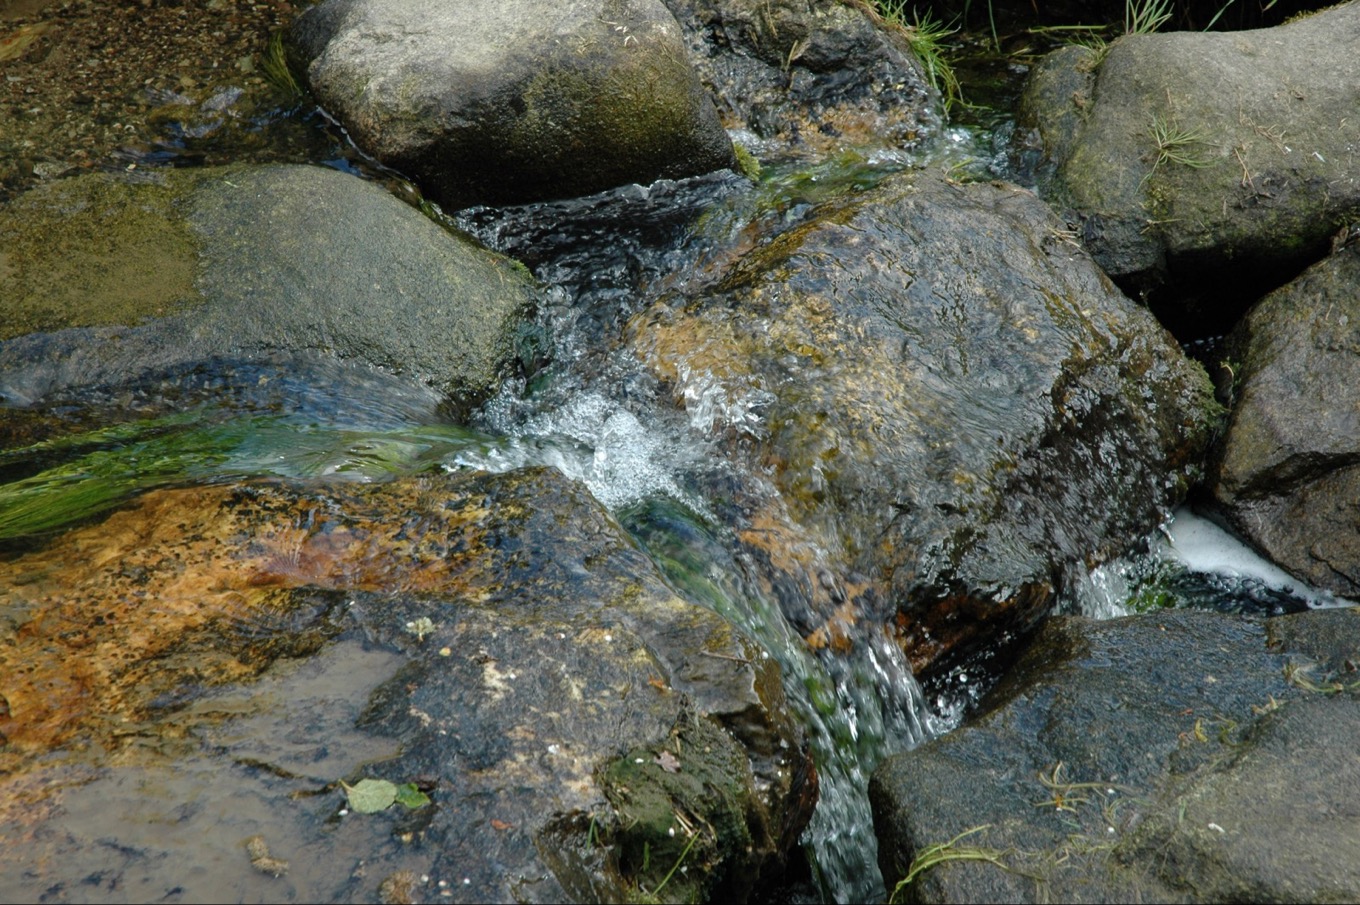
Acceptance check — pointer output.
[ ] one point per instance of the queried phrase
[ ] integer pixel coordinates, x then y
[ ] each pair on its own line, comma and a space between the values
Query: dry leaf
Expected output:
668, 762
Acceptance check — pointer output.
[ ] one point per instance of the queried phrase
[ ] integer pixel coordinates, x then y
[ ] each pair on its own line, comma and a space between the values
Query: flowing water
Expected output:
592, 411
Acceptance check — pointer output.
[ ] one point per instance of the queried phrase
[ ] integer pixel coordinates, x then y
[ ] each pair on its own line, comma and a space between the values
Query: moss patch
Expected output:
681, 831
93, 251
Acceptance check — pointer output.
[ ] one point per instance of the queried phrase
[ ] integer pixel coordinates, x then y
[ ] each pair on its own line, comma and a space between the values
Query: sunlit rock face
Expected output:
502, 102
513, 653
951, 400
1208, 163
110, 279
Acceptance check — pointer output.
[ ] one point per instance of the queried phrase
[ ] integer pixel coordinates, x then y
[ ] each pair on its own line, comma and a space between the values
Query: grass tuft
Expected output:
1143, 17
1176, 144
277, 70
926, 36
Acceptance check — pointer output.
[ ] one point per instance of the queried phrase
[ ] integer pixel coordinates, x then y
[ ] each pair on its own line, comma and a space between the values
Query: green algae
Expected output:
95, 250
91, 473
676, 805
99, 480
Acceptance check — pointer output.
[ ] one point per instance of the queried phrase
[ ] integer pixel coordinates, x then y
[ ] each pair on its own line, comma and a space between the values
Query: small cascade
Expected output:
597, 415
1192, 562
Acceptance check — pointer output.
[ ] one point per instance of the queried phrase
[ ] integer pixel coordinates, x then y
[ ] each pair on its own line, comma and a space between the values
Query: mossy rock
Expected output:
117, 278
1215, 161
681, 803
503, 102
1173, 756
844, 355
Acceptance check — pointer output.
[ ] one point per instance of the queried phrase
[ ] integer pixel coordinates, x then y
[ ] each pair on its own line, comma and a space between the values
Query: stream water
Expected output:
594, 413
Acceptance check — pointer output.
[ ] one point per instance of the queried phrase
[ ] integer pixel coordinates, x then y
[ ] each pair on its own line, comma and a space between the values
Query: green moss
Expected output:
94, 250
747, 164
96, 481
681, 804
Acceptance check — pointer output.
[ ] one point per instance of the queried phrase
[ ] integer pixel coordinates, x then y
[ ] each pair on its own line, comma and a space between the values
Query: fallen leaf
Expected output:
501, 824
409, 794
369, 796
668, 762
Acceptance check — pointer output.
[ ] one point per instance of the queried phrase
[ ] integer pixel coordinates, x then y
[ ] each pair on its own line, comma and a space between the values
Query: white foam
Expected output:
1203, 546
594, 440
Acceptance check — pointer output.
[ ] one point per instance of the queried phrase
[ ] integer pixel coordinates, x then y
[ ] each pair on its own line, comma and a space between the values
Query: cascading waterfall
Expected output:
598, 417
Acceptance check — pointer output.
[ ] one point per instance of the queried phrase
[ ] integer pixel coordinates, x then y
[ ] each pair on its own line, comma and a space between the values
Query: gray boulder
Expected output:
499, 102
1214, 159
109, 280
1288, 475
809, 77
951, 399
1180, 756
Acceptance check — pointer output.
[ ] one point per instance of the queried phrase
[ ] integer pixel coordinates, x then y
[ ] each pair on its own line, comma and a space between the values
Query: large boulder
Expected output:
514, 100
1216, 160
951, 401
108, 280
810, 77
217, 659
1287, 477
1180, 756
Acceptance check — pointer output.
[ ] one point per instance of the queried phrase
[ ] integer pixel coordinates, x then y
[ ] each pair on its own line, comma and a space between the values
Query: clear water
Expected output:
596, 415
592, 412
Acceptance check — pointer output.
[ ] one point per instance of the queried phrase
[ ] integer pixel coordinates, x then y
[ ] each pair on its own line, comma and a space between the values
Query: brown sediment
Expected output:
94, 83
186, 587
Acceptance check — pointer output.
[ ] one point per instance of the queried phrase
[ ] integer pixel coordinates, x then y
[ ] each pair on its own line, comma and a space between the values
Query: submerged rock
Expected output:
1214, 160
578, 728
809, 77
1289, 471
109, 280
950, 400
1177, 757
514, 100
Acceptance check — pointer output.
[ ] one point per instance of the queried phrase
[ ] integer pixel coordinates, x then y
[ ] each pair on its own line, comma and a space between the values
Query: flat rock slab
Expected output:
109, 280
1176, 756
1289, 471
514, 100
218, 659
1207, 158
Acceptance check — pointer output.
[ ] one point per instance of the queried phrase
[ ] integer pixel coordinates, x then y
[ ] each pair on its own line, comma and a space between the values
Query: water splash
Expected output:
591, 439
1192, 562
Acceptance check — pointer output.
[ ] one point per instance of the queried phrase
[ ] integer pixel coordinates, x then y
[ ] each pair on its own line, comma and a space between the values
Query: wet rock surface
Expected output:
1176, 756
506, 102
511, 653
1207, 161
1289, 473
845, 355
244, 261
801, 427
809, 78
